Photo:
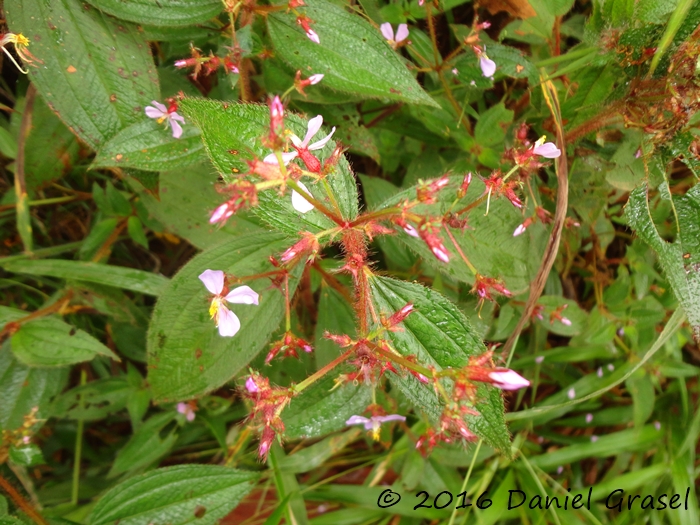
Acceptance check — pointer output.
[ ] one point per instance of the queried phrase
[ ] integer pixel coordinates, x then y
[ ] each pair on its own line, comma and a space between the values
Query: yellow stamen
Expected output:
214, 308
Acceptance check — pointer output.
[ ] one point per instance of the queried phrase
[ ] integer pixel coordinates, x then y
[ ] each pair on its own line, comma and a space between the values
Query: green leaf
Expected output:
8, 144
51, 342
231, 135
23, 388
95, 73
353, 55
135, 229
26, 456
203, 494
488, 242
117, 276
491, 128
320, 409
148, 444
185, 203
186, 355
146, 145
99, 399
50, 150
166, 13
680, 260
440, 335
335, 315
314, 456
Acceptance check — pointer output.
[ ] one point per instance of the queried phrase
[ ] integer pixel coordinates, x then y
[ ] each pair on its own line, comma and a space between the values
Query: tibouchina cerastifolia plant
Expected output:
369, 355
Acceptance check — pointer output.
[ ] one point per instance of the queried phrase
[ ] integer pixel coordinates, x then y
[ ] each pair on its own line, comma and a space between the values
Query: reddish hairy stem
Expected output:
21, 502
322, 372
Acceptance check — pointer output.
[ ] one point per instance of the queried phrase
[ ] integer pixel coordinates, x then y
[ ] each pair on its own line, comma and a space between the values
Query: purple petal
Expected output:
387, 31
547, 150
315, 79
242, 295
213, 280
319, 144
401, 33
228, 322
488, 66
299, 203
358, 420
177, 128
391, 417
162, 107
152, 112
182, 408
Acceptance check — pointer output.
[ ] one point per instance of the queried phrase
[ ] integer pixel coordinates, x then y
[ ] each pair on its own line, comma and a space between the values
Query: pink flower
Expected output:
519, 230
186, 410
373, 423
488, 66
409, 229
394, 39
548, 150
166, 114
251, 386
226, 320
315, 79
305, 24
507, 379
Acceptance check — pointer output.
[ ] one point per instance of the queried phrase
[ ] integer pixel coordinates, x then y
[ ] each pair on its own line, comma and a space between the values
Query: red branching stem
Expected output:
323, 371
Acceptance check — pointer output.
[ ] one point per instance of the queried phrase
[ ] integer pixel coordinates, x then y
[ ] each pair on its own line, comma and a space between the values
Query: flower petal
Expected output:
213, 280
242, 295
390, 417
313, 36
313, 127
488, 66
152, 112
401, 33
357, 420
387, 31
228, 322
175, 116
287, 157
547, 150
176, 127
299, 203
409, 229
319, 144
162, 107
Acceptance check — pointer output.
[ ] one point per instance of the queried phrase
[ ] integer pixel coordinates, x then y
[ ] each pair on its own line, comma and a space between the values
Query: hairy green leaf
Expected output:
23, 388
96, 74
232, 133
147, 146
201, 494
352, 54
680, 260
51, 342
186, 355
440, 335
117, 276
161, 12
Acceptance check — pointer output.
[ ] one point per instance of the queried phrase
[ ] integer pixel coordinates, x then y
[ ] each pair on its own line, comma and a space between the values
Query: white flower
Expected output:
394, 39
299, 203
373, 423
161, 113
312, 128
226, 320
